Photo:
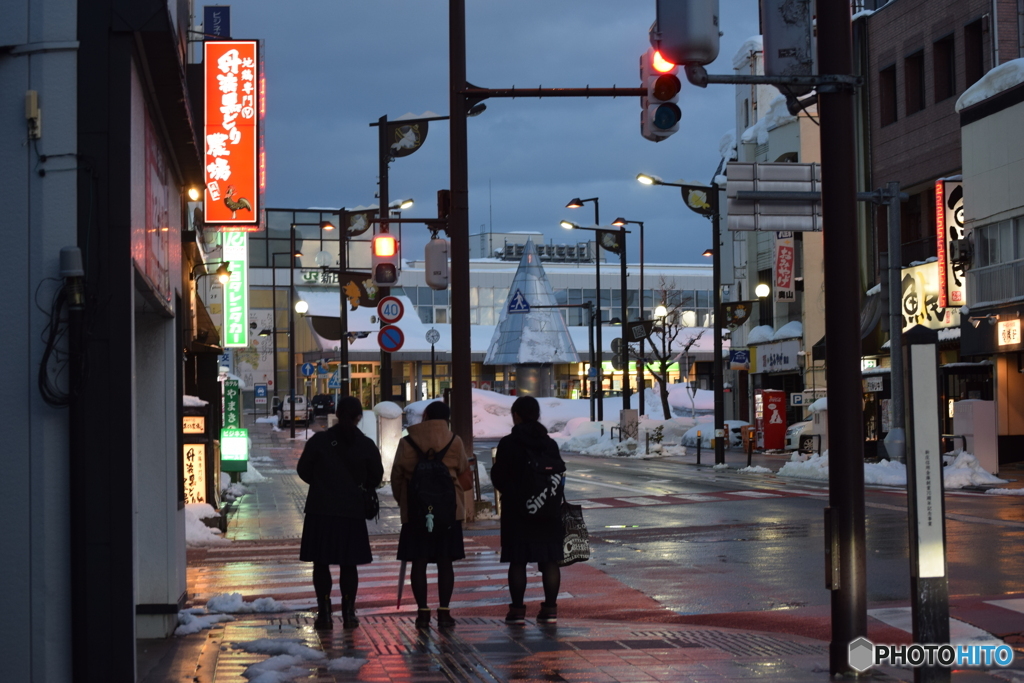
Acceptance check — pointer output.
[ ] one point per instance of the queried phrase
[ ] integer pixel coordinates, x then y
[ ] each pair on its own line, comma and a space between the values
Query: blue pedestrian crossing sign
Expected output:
518, 303
321, 369
308, 369
335, 381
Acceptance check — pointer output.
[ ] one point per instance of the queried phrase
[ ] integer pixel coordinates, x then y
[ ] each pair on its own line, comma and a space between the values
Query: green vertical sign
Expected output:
236, 291
232, 404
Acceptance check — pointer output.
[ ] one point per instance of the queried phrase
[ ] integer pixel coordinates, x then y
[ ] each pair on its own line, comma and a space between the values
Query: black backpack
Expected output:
545, 484
431, 497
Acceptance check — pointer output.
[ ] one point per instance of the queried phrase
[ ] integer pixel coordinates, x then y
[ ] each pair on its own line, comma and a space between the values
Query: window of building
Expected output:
974, 53
887, 94
944, 68
913, 82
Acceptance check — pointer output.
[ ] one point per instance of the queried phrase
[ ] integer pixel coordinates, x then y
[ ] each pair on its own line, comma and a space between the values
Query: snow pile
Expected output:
720, 466
196, 532
965, 470
608, 447
233, 492
778, 115
290, 659
233, 603
727, 145
387, 410
195, 620
762, 334
755, 469
252, 475
193, 401
791, 330
1006, 492
492, 416
272, 420
1003, 77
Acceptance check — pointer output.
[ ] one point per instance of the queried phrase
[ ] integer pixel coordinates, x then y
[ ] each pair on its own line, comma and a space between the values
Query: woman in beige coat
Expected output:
432, 507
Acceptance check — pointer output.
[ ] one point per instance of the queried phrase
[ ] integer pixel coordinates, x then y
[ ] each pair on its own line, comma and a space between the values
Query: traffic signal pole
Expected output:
842, 332
384, 154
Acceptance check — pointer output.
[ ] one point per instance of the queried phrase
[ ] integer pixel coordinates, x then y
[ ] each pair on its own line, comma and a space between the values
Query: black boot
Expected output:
348, 614
324, 621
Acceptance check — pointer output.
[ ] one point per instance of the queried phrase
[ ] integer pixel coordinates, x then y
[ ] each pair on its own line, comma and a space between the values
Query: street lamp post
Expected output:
273, 298
704, 200
323, 225
577, 203
640, 303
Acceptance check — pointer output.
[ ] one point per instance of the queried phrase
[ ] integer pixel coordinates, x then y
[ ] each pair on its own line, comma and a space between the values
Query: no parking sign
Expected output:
390, 338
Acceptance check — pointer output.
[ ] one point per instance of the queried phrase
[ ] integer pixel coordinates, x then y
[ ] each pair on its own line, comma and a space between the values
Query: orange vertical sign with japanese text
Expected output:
231, 140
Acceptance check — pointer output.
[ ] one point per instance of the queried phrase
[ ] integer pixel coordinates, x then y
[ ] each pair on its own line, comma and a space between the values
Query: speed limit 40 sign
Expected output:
390, 309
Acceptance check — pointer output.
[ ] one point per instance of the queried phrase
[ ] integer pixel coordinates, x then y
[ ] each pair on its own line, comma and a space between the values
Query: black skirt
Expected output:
415, 543
329, 539
525, 542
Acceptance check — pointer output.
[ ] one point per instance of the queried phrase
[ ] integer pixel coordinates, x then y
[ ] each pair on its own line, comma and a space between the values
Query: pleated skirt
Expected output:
415, 543
328, 539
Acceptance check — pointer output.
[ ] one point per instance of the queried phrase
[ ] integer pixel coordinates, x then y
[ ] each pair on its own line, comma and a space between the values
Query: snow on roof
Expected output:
727, 145
1003, 77
790, 330
752, 44
863, 13
948, 333
877, 289
760, 334
778, 115
193, 401
818, 406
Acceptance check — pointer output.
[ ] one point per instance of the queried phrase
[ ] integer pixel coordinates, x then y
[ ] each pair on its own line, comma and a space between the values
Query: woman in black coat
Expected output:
339, 465
525, 538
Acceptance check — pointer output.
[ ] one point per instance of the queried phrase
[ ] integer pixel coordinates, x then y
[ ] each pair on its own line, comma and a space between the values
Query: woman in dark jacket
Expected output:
339, 465
525, 538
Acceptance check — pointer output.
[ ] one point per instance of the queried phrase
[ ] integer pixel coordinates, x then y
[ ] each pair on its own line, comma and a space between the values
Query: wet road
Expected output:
702, 541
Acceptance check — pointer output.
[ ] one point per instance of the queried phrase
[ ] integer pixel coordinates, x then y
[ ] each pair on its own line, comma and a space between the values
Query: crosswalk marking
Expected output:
756, 494
960, 633
639, 500
697, 497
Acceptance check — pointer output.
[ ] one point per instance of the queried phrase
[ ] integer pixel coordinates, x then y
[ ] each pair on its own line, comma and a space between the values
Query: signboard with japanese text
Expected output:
1009, 332
235, 332
780, 356
785, 263
232, 404
193, 424
231, 134
194, 455
217, 21
949, 227
260, 392
234, 449
920, 299
739, 359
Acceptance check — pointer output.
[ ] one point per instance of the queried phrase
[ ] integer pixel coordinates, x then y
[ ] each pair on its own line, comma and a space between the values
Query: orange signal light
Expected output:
384, 245
661, 64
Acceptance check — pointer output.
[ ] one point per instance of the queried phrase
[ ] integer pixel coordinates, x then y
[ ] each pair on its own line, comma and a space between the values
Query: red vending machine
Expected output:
770, 415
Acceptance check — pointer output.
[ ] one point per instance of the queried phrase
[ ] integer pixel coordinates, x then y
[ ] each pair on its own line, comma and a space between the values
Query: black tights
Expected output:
445, 582
348, 581
550, 573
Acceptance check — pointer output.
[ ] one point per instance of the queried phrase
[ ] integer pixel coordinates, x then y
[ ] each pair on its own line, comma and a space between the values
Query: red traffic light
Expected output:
385, 246
660, 64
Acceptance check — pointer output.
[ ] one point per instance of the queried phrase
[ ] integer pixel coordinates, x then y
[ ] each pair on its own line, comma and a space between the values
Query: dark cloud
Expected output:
333, 67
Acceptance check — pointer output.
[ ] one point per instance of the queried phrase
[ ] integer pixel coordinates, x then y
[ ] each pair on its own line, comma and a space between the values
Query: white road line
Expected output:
1016, 605
631, 489
753, 494
589, 504
698, 498
641, 501
960, 633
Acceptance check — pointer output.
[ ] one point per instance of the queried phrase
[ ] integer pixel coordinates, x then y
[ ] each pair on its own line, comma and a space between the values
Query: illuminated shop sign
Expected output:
236, 291
231, 134
949, 224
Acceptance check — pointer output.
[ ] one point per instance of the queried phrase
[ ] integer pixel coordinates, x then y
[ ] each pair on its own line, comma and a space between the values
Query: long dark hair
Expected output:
349, 411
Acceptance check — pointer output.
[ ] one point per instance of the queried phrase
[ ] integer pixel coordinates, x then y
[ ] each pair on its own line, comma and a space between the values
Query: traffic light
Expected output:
385, 260
686, 31
659, 115
435, 263
620, 354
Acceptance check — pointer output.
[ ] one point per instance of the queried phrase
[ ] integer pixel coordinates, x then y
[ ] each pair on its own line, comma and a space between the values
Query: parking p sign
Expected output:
796, 399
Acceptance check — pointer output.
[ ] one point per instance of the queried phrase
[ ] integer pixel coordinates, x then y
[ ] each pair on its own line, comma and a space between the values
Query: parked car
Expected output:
284, 411
793, 433
323, 404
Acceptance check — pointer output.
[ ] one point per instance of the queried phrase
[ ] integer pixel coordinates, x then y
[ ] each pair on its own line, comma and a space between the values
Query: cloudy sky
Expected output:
335, 66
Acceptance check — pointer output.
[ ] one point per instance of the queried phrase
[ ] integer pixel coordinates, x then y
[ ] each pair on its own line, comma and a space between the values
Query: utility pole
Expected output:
458, 226
845, 515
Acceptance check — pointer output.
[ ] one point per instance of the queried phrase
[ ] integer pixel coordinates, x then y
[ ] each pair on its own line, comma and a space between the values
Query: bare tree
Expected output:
663, 340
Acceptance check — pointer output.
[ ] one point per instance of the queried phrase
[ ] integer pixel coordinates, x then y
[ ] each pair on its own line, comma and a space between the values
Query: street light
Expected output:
323, 225
704, 200
577, 203
621, 222
222, 273
622, 301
